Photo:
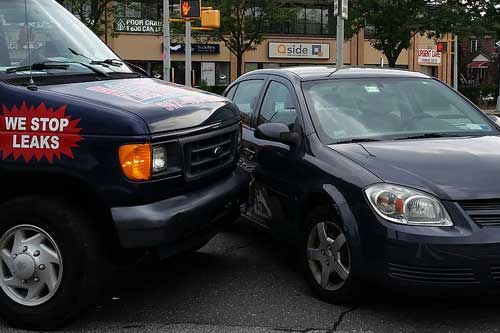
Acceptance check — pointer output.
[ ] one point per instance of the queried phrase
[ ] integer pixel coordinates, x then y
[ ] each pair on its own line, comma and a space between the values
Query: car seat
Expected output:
378, 113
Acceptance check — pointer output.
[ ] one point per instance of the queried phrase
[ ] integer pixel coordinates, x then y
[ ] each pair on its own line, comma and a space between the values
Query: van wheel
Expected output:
52, 264
327, 260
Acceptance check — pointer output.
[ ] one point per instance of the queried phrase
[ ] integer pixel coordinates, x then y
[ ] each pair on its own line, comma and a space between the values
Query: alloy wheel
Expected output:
31, 265
328, 255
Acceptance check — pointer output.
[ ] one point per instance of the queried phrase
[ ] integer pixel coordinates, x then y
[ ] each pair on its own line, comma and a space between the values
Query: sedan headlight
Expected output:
159, 159
404, 205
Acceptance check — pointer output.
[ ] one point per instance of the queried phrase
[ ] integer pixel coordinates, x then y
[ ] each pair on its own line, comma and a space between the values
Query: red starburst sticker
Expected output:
37, 132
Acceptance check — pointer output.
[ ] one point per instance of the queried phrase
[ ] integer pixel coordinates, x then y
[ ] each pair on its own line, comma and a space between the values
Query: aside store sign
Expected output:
299, 50
138, 25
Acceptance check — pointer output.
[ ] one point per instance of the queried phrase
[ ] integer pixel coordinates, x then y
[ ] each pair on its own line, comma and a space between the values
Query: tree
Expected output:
243, 23
92, 12
393, 23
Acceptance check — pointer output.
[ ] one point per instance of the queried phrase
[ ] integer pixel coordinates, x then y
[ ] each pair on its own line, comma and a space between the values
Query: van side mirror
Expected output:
277, 132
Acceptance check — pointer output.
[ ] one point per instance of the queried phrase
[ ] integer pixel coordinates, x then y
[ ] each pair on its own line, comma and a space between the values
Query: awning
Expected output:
478, 64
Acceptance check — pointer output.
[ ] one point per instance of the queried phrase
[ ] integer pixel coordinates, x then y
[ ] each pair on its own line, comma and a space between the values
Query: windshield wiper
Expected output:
111, 62
356, 140
429, 136
36, 67
52, 64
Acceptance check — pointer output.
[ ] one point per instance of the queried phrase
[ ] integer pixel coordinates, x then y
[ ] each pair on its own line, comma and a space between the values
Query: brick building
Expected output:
478, 61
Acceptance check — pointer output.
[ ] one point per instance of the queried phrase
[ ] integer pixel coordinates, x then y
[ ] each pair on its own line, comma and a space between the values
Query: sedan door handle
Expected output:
250, 153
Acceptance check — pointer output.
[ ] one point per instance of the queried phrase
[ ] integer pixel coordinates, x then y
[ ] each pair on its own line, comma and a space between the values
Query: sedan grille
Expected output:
486, 213
433, 275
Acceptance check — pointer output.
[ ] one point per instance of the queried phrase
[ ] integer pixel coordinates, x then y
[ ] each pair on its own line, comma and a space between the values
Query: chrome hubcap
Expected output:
30, 265
328, 255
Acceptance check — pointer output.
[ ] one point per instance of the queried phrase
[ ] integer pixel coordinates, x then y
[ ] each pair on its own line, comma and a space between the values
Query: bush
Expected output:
472, 93
213, 89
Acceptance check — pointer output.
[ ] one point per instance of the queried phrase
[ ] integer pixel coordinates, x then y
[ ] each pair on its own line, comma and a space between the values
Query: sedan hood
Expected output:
450, 168
163, 106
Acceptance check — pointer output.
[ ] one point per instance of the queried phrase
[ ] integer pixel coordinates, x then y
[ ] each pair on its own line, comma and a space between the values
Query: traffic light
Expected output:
190, 9
442, 47
210, 19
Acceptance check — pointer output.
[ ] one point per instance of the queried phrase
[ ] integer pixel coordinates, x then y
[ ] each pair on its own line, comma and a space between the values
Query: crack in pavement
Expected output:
340, 318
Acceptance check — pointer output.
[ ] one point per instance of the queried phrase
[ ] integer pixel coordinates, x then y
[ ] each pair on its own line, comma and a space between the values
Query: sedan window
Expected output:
278, 106
246, 97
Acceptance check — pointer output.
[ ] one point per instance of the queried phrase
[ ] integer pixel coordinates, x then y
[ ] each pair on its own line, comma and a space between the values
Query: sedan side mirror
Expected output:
277, 132
495, 118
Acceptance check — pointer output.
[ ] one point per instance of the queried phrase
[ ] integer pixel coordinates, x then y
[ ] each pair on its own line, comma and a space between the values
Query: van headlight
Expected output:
404, 205
159, 159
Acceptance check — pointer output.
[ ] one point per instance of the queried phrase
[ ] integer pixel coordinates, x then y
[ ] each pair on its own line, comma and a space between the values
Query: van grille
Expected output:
210, 153
495, 272
485, 213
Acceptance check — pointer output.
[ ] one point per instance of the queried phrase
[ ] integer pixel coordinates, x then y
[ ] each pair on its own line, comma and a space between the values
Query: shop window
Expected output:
222, 73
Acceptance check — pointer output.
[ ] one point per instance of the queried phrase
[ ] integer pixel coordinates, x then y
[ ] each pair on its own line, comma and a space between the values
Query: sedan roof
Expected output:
305, 73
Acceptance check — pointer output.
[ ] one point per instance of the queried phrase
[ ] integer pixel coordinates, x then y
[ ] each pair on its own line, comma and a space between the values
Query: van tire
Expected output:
85, 262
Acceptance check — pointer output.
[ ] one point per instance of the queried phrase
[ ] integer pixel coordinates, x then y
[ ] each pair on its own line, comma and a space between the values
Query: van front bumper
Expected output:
184, 220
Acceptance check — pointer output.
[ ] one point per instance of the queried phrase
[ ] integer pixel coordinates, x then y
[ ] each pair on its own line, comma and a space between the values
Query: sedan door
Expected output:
277, 173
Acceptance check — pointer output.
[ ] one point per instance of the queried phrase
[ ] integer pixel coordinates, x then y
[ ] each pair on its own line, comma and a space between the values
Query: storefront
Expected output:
310, 40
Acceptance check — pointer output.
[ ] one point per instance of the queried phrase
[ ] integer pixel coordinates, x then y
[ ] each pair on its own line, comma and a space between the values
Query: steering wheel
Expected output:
34, 57
419, 116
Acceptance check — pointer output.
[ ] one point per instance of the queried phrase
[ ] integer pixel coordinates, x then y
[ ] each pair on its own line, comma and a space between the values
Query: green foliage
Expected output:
394, 23
243, 23
472, 93
213, 89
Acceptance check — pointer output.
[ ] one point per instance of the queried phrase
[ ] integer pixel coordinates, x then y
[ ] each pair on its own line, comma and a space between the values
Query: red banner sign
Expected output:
37, 132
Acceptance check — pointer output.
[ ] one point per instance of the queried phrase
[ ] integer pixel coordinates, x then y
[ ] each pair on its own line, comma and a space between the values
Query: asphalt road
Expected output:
244, 281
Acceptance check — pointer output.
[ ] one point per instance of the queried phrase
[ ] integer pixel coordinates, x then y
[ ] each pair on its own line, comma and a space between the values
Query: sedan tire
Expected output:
327, 259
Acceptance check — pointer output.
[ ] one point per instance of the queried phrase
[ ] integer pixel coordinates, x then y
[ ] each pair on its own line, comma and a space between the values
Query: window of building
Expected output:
146, 9
474, 45
307, 20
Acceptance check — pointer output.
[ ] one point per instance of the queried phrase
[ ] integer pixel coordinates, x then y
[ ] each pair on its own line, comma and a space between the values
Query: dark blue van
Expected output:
95, 160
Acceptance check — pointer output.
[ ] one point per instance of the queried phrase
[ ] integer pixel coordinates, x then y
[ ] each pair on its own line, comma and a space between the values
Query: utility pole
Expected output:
166, 41
188, 54
455, 63
498, 98
341, 11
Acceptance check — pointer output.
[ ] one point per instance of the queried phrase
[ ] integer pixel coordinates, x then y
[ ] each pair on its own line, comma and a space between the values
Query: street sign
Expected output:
190, 9
343, 6
497, 43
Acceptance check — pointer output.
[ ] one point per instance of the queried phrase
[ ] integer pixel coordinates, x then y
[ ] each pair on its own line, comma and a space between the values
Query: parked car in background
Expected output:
375, 175
96, 161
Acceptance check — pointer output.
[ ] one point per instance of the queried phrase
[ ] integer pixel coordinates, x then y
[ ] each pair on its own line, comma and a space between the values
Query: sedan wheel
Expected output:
328, 255
31, 265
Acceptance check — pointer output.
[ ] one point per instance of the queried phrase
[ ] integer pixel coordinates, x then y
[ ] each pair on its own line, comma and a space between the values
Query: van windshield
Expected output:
372, 109
51, 34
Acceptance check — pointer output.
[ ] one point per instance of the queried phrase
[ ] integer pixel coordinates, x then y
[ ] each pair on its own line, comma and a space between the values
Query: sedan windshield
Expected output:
370, 109
50, 34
